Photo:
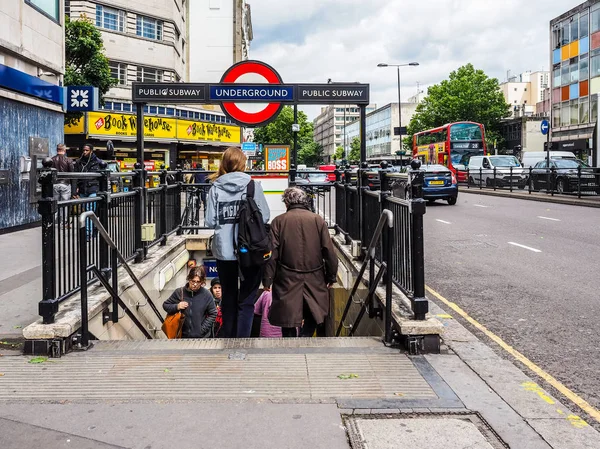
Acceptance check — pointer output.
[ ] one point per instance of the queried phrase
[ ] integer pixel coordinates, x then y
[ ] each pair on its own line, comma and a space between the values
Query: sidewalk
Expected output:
586, 201
20, 280
292, 393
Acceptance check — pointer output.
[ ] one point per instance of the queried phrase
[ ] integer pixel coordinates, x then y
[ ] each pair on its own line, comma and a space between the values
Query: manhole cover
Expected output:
421, 431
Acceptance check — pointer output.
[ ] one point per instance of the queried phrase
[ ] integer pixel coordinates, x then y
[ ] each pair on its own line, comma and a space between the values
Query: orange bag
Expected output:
173, 324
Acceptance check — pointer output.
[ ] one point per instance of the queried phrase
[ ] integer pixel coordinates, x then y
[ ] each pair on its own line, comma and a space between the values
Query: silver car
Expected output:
499, 171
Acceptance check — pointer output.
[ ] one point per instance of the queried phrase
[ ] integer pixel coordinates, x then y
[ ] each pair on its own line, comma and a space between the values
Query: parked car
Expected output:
531, 158
501, 170
303, 178
564, 178
439, 184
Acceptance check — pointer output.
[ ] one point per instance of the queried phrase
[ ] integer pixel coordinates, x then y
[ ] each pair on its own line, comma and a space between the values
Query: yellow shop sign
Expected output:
77, 128
125, 125
192, 130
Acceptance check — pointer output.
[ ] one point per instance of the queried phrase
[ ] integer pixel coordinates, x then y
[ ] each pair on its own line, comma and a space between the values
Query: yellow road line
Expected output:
567, 392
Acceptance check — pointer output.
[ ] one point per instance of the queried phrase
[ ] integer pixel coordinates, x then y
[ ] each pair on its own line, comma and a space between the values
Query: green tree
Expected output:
354, 150
310, 154
279, 131
339, 154
85, 63
467, 95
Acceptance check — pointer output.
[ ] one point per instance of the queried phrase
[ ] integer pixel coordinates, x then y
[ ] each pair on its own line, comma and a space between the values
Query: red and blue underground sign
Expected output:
251, 93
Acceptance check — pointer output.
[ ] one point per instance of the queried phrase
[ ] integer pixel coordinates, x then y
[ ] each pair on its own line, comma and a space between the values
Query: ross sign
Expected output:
170, 92
202, 131
545, 127
125, 125
82, 98
333, 93
277, 157
263, 74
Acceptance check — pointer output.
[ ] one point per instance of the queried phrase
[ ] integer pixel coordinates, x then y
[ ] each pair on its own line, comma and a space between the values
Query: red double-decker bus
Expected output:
451, 145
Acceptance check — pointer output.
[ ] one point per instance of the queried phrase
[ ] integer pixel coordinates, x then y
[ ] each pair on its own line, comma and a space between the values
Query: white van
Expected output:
501, 170
530, 158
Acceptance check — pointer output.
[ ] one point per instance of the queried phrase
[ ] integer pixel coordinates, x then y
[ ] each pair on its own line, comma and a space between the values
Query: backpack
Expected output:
251, 242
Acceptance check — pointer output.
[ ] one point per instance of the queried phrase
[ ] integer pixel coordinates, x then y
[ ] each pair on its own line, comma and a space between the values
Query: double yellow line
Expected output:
567, 392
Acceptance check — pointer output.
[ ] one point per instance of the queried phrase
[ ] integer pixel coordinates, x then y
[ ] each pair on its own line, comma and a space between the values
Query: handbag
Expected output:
173, 324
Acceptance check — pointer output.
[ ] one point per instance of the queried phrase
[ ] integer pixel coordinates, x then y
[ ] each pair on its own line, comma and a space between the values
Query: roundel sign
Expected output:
253, 81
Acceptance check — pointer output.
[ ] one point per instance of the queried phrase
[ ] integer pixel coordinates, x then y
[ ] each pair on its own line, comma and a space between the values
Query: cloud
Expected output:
311, 41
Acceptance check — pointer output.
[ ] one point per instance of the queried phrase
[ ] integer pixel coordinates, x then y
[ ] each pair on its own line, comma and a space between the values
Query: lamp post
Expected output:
411, 64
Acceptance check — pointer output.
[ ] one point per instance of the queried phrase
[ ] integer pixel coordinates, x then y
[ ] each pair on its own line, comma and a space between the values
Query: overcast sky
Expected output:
313, 40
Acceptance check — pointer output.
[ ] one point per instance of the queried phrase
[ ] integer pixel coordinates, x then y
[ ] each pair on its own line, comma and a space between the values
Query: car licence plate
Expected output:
436, 183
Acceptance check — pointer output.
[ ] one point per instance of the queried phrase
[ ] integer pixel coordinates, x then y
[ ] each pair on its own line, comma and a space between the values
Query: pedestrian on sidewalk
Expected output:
62, 188
196, 303
216, 291
262, 309
88, 188
229, 189
302, 269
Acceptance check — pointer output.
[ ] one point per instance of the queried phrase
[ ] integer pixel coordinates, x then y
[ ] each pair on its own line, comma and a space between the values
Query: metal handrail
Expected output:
386, 217
84, 269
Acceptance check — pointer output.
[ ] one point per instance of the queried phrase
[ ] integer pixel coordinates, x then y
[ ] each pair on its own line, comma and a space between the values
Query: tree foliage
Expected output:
339, 154
310, 154
85, 63
279, 131
354, 155
467, 95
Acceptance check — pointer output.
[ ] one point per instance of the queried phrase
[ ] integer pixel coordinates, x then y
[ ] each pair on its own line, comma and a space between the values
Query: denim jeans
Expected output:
89, 226
237, 303
62, 192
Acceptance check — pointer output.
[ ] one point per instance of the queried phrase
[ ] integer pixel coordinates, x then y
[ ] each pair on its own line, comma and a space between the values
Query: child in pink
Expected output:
262, 307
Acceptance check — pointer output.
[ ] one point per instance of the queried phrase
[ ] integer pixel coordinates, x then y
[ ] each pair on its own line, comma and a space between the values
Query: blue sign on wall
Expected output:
18, 81
210, 266
82, 98
545, 127
248, 146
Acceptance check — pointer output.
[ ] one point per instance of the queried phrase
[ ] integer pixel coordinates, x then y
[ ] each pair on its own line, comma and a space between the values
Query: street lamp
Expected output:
411, 64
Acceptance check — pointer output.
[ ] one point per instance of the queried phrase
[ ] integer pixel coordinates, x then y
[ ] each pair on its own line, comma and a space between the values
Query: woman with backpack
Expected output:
228, 193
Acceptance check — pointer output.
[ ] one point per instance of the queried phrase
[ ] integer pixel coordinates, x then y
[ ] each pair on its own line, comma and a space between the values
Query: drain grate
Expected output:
421, 430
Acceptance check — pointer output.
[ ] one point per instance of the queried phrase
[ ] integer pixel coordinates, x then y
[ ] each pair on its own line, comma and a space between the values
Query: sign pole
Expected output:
295, 153
545, 128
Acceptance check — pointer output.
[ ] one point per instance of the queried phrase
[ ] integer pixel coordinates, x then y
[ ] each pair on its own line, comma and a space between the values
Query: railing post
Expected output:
338, 176
140, 186
511, 179
179, 180
103, 206
468, 178
388, 244
115, 286
48, 306
163, 207
84, 286
292, 174
579, 181
480, 177
495, 179
420, 304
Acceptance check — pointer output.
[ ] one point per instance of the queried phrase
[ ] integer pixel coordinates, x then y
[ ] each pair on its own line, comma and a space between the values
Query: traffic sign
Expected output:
545, 127
248, 146
249, 74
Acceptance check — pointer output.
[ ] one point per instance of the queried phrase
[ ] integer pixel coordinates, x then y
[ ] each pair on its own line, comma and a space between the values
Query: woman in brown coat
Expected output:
302, 269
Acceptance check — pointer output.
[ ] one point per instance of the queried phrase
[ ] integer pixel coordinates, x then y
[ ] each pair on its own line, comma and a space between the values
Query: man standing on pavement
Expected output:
88, 188
62, 188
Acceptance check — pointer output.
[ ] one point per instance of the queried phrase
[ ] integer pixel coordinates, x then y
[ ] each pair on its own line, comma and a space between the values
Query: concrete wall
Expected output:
533, 139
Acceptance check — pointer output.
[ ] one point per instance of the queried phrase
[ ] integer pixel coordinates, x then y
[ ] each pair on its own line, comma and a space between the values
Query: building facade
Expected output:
148, 41
220, 36
575, 80
331, 127
522, 134
382, 144
525, 91
32, 64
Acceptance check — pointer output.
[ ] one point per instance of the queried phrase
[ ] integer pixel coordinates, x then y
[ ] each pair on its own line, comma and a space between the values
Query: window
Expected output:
574, 72
584, 110
595, 66
556, 116
126, 107
149, 28
50, 8
148, 75
574, 27
595, 21
583, 26
574, 112
109, 18
118, 71
593, 108
584, 72
153, 110
565, 114
161, 111
564, 33
556, 80
565, 74
170, 111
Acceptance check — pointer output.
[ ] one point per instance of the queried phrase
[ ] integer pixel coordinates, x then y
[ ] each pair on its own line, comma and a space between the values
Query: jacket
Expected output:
63, 165
224, 198
200, 314
90, 164
302, 264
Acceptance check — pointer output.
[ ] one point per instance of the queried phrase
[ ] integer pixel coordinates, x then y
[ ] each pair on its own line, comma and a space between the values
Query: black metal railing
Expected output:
580, 181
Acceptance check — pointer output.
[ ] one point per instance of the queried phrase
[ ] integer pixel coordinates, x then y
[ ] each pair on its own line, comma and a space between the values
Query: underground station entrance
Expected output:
110, 262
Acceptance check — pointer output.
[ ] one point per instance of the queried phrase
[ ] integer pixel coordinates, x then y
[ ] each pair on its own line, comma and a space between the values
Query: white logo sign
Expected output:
79, 99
